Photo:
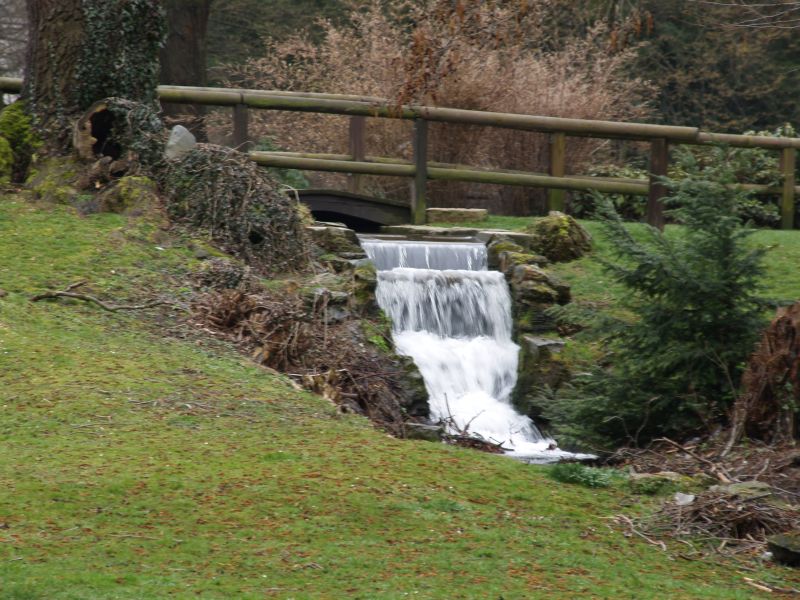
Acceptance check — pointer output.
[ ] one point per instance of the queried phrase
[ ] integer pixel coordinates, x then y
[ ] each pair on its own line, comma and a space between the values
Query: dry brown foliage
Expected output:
718, 520
770, 401
483, 56
282, 332
724, 522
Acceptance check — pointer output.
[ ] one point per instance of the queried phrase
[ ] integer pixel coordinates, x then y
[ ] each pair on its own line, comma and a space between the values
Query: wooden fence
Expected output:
357, 163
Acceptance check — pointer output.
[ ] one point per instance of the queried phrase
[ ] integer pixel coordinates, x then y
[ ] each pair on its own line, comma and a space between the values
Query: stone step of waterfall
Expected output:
456, 215
431, 233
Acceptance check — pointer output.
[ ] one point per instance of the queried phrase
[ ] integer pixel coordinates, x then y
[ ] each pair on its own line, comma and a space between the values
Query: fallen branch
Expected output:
718, 470
68, 293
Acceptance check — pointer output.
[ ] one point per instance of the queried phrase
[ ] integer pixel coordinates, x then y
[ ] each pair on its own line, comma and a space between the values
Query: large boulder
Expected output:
559, 237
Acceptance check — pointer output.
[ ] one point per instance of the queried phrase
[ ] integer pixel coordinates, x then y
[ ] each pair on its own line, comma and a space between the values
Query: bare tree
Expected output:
777, 14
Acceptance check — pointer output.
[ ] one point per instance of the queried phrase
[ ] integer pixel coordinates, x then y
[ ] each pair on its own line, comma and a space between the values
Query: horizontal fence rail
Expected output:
421, 170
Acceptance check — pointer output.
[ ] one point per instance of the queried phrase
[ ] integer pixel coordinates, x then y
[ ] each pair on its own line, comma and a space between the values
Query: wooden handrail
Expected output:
372, 106
659, 136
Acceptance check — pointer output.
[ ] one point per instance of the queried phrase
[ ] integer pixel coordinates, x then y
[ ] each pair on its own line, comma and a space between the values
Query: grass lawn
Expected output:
139, 461
590, 284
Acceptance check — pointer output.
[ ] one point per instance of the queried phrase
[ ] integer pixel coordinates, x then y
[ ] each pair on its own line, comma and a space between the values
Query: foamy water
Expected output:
453, 318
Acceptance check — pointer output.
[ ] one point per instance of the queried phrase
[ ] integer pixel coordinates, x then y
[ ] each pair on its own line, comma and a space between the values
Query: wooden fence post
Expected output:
357, 137
419, 202
557, 199
659, 162
241, 135
788, 167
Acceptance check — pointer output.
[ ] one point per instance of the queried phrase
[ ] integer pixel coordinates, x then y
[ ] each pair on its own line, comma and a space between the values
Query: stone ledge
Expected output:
456, 215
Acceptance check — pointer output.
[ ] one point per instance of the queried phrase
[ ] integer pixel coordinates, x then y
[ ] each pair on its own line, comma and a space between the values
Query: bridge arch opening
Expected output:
355, 223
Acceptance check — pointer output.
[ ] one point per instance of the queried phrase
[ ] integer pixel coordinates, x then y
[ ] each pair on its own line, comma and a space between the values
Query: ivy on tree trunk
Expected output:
81, 51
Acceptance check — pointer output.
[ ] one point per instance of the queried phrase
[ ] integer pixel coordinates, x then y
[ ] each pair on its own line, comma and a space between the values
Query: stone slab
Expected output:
456, 215
426, 231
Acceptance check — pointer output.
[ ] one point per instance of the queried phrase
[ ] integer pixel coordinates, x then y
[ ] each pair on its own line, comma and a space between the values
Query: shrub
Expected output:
15, 127
747, 166
582, 475
693, 295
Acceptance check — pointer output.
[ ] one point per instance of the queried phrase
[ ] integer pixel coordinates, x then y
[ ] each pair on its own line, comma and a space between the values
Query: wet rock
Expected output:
416, 232
414, 393
539, 367
456, 215
785, 548
559, 237
364, 282
421, 431
336, 240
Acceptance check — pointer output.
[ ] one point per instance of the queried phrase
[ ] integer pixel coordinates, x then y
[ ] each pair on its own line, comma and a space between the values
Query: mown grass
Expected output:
139, 461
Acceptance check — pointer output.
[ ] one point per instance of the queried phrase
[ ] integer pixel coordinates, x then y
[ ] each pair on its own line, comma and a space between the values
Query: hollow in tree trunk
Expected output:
80, 51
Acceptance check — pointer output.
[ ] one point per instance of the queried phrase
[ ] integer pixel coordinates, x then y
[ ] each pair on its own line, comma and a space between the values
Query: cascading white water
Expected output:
453, 318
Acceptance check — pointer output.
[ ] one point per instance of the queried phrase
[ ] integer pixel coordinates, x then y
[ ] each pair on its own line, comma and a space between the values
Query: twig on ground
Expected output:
718, 470
68, 293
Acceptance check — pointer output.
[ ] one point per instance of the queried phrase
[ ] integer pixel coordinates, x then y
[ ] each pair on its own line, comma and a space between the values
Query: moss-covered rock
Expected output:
131, 195
559, 237
336, 240
15, 127
54, 180
365, 280
6, 161
497, 248
534, 291
540, 367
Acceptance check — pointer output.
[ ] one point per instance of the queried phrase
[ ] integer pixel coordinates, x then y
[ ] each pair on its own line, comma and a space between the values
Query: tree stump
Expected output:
768, 406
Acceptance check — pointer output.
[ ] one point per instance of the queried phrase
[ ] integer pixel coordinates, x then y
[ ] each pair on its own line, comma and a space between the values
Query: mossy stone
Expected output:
497, 248
365, 280
559, 237
53, 180
131, 195
539, 367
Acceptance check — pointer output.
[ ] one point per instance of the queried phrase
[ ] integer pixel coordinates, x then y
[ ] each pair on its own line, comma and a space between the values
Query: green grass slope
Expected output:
138, 462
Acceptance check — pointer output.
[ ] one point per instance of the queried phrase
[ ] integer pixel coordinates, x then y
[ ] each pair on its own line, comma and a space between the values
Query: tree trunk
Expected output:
56, 35
81, 51
183, 59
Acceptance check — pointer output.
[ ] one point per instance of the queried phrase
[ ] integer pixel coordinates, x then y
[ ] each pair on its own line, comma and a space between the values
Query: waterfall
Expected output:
453, 318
